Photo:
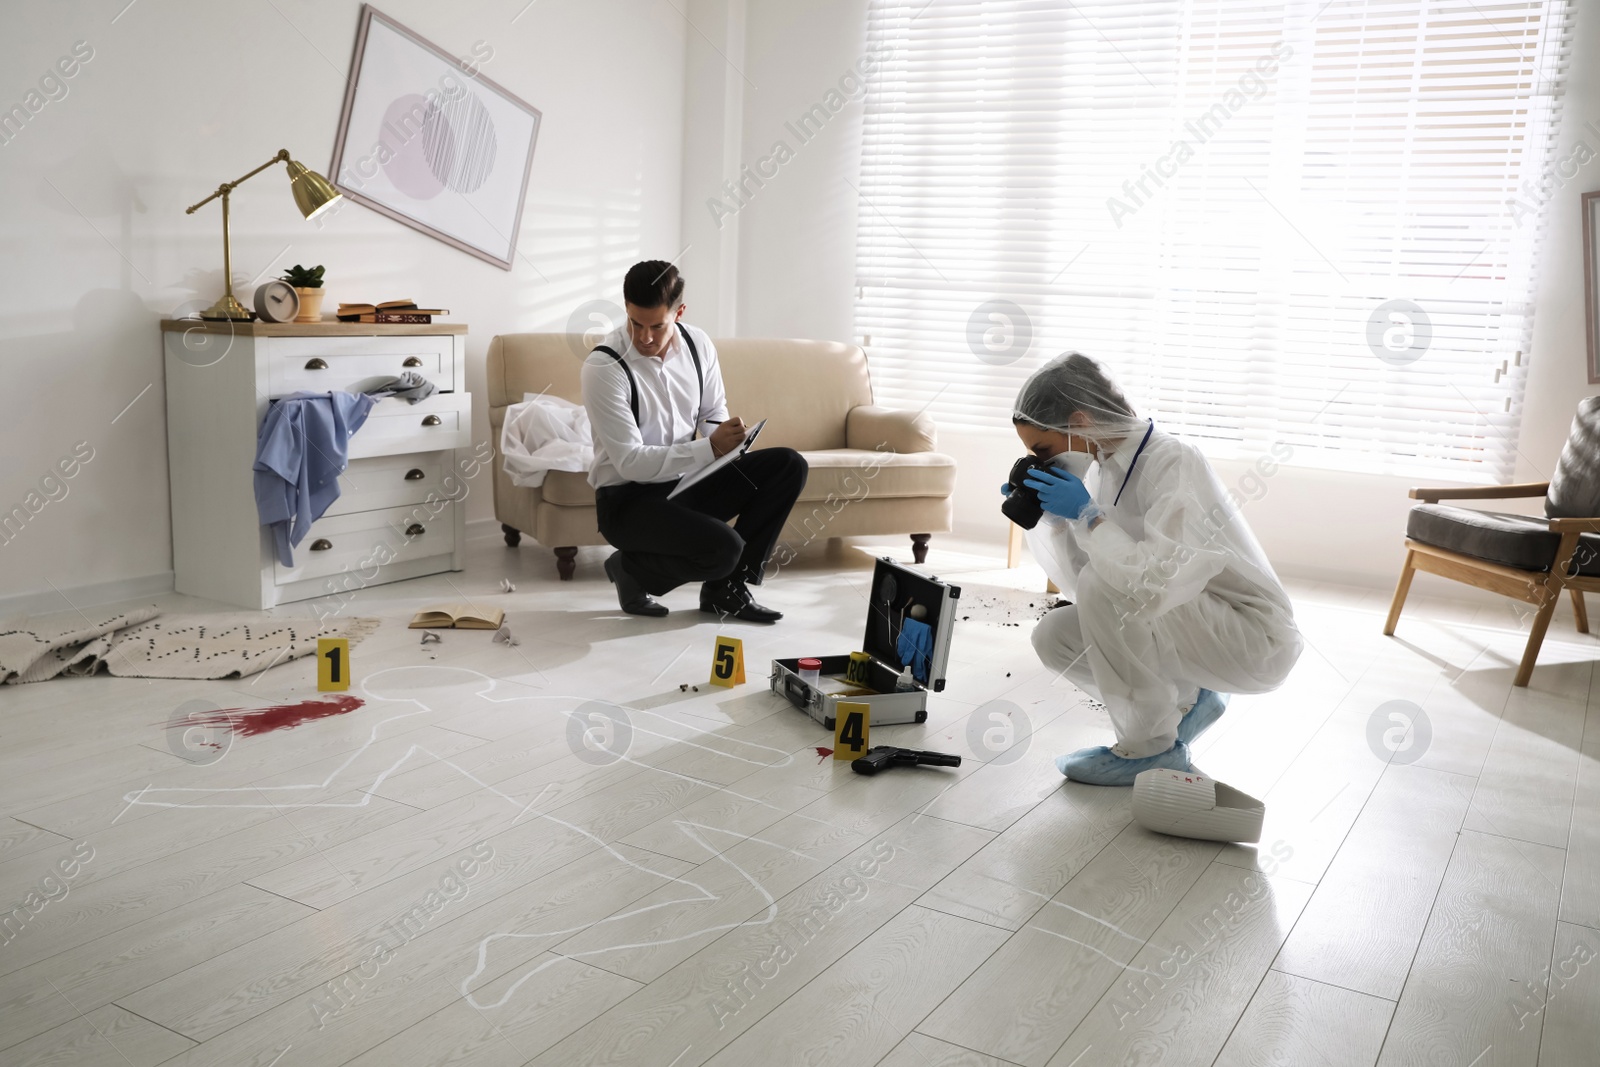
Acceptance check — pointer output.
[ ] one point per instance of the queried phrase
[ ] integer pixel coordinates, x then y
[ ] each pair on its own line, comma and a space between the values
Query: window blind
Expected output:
1307, 221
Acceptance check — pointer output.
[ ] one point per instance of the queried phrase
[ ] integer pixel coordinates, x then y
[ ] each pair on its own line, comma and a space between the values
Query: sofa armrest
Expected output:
1481, 492
886, 429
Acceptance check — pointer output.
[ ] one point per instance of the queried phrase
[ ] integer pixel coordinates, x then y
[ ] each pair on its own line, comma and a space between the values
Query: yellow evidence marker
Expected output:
850, 728
727, 662
333, 664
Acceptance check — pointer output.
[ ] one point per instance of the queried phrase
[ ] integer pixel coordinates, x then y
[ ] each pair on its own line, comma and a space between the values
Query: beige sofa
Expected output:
873, 470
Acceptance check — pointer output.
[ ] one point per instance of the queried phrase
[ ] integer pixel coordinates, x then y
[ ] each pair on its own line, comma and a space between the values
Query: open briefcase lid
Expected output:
896, 589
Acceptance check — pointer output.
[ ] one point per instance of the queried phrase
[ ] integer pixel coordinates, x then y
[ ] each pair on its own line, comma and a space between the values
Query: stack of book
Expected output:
402, 311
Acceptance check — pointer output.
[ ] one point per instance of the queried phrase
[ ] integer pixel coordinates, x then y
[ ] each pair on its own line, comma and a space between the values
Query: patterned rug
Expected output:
135, 644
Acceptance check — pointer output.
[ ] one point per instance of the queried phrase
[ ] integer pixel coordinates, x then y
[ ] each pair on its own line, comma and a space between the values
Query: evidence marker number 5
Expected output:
727, 662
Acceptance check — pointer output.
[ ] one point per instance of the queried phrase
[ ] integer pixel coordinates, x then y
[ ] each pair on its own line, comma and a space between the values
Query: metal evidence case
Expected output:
896, 589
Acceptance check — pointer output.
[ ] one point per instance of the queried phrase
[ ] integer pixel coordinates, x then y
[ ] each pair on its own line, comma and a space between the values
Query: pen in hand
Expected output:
728, 434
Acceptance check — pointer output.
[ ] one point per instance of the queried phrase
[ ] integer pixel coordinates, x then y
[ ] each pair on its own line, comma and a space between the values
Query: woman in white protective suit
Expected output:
1174, 604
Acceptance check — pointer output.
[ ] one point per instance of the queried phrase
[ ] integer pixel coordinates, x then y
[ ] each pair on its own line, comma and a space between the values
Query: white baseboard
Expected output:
78, 596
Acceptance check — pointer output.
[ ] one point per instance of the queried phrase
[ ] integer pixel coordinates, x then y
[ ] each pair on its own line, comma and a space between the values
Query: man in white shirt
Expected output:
654, 394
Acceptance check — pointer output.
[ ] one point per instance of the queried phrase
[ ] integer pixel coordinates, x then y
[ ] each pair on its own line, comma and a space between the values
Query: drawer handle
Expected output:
432, 420
321, 544
412, 361
415, 474
316, 363
416, 529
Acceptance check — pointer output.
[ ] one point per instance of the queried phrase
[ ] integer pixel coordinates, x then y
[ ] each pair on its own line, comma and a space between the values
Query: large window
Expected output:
1309, 221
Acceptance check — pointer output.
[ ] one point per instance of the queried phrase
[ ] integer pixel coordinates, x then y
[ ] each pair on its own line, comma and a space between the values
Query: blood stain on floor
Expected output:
249, 722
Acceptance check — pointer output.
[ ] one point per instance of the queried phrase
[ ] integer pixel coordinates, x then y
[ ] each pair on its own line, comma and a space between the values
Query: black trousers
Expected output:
666, 543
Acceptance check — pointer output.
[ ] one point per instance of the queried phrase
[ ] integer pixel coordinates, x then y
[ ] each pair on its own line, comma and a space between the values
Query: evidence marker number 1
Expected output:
333, 664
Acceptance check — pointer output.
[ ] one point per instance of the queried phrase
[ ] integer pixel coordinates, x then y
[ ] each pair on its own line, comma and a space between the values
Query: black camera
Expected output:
1022, 505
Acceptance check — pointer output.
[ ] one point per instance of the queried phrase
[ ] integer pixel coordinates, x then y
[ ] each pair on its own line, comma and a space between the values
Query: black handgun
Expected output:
883, 756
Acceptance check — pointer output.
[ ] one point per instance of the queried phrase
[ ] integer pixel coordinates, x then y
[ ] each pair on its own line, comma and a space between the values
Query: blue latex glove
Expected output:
1005, 488
915, 648
1060, 492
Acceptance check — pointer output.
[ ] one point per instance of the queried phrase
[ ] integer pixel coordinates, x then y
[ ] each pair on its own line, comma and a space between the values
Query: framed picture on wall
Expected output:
429, 141
1591, 279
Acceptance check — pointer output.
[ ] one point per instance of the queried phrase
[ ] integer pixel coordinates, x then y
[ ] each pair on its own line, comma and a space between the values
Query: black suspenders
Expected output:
633, 384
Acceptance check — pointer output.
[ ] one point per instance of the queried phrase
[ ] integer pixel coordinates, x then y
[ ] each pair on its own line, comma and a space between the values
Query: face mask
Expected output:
1075, 463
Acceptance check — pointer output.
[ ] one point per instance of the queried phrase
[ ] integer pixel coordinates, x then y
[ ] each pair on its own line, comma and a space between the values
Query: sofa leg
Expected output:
566, 562
919, 547
1400, 591
1579, 612
513, 535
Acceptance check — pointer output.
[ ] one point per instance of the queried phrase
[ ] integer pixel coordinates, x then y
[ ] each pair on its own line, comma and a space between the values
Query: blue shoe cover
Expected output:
1101, 766
1208, 708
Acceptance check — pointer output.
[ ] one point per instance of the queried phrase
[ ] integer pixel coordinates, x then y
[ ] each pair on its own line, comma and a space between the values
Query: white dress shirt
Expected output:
661, 445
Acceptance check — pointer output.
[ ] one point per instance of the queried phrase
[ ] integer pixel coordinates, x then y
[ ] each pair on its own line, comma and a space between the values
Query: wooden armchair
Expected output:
1519, 556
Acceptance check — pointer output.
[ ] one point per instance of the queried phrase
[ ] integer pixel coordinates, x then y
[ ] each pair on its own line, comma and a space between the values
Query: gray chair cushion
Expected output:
1521, 541
1575, 487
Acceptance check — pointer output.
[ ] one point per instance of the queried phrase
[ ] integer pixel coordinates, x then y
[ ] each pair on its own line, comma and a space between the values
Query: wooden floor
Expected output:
452, 875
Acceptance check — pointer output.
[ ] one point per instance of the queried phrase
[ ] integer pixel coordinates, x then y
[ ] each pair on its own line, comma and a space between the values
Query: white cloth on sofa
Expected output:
545, 433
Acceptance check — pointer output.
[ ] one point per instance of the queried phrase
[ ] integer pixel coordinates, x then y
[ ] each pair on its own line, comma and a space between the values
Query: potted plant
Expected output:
307, 281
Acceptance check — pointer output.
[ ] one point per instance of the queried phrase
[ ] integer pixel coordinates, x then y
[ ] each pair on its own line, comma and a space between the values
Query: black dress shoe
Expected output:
731, 597
632, 597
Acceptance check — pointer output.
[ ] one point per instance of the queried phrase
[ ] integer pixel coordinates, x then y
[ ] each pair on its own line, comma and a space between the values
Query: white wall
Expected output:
181, 95
713, 105
797, 234
797, 270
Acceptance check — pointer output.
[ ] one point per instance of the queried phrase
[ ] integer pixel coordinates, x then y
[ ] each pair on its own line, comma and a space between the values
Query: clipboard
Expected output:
732, 455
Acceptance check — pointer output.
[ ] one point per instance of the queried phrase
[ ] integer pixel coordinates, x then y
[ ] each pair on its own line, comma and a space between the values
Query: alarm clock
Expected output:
277, 301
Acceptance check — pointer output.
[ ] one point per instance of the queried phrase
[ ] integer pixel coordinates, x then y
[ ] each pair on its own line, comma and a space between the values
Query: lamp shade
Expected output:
313, 193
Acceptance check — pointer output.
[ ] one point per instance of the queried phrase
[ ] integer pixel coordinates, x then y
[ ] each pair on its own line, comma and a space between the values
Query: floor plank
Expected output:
1027, 998
104, 1036
1570, 993
1487, 943
20, 839
1362, 926
724, 989
1179, 997
1295, 1020
1580, 884
562, 996
1013, 876
54, 990
1526, 786
861, 1007
124, 899
332, 1000
920, 1050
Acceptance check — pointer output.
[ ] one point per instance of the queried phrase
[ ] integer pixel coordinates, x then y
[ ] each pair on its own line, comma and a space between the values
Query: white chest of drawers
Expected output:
401, 510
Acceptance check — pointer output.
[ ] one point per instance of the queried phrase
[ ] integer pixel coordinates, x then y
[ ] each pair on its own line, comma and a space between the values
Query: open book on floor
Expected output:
457, 616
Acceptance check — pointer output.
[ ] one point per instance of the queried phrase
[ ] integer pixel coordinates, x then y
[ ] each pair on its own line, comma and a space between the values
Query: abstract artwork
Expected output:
429, 141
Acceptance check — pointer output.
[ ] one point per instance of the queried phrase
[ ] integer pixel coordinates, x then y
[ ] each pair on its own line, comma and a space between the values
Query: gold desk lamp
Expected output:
313, 194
